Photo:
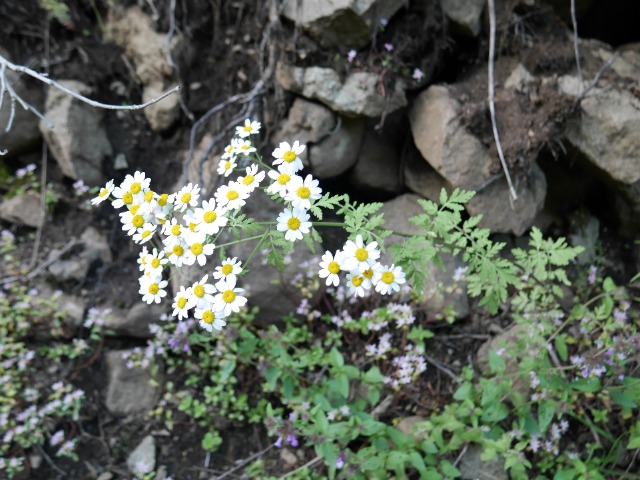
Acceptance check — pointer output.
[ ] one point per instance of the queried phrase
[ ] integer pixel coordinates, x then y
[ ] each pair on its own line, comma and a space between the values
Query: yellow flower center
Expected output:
289, 156
356, 280
293, 223
232, 195
227, 165
198, 291
148, 196
155, 263
181, 302
146, 233
362, 254
103, 193
192, 226
248, 180
387, 277
164, 198
127, 198
229, 296
135, 188
227, 269
229, 149
208, 316
196, 249
368, 273
283, 179
304, 192
245, 147
185, 198
178, 250
175, 230
153, 288
247, 128
209, 217
137, 221
134, 209
334, 267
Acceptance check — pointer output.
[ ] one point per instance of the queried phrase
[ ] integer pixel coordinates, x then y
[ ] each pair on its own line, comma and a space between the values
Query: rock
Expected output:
358, 95
333, 142
518, 78
25, 133
23, 209
494, 203
143, 459
409, 425
341, 23
68, 269
128, 390
288, 457
135, 322
75, 263
420, 178
96, 246
458, 156
378, 166
79, 141
465, 15
440, 289
585, 232
464, 162
133, 31
472, 467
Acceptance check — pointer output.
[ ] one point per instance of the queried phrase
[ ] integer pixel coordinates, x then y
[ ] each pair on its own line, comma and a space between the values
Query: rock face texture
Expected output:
341, 23
79, 142
128, 389
25, 209
465, 15
357, 95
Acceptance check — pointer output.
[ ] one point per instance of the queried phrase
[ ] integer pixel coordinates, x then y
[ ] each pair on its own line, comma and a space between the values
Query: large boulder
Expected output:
358, 95
136, 321
129, 390
79, 141
465, 15
133, 31
341, 23
378, 168
332, 141
23, 209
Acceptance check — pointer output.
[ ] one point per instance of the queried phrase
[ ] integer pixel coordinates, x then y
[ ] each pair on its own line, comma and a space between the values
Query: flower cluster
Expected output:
360, 262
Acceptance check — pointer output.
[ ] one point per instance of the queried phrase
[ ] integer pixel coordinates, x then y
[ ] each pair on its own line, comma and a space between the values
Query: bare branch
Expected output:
492, 106
576, 48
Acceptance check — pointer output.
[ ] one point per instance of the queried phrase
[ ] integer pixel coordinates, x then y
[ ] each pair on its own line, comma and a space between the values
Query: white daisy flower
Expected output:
249, 127
210, 320
198, 249
232, 196
143, 259
152, 288
357, 256
163, 207
358, 283
288, 155
208, 218
280, 180
301, 192
389, 279
330, 267
155, 263
228, 270
144, 233
186, 197
121, 197
136, 184
103, 194
229, 298
245, 147
203, 293
183, 302
294, 222
173, 232
176, 252
252, 179
132, 220
226, 166
229, 151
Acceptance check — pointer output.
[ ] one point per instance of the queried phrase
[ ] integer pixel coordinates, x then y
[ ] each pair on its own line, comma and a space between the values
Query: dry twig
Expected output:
576, 48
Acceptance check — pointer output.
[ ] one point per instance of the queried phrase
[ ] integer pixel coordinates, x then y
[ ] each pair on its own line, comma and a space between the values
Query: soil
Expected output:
230, 50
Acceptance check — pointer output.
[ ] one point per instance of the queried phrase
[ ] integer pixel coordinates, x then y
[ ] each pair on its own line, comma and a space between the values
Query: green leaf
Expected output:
211, 441
373, 375
546, 412
495, 412
373, 395
373, 463
561, 346
496, 362
565, 474
448, 469
622, 398
586, 385
335, 358
465, 392
608, 285
634, 442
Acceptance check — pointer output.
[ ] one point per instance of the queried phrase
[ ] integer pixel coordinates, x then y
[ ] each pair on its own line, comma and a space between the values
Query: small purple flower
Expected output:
593, 271
417, 74
388, 47
351, 55
384, 22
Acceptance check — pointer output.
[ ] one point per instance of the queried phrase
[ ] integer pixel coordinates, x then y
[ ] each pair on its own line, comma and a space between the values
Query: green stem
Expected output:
235, 242
264, 235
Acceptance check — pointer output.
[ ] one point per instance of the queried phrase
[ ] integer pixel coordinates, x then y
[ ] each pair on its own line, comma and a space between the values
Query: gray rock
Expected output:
74, 265
134, 31
24, 209
143, 459
472, 467
420, 178
68, 269
333, 142
410, 426
494, 203
79, 141
378, 166
341, 23
96, 246
135, 322
25, 133
128, 390
440, 289
465, 15
72, 308
518, 78
358, 95
585, 232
